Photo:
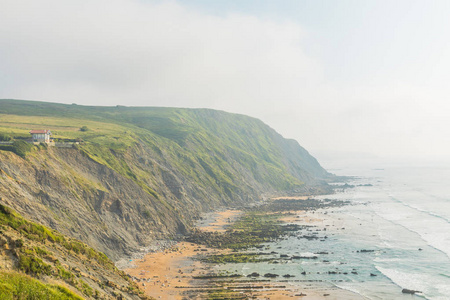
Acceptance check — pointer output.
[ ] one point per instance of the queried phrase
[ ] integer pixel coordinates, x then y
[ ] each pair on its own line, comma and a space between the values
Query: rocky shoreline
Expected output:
206, 248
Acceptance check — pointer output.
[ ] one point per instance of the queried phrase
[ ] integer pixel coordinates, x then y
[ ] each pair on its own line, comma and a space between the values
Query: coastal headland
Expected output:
128, 177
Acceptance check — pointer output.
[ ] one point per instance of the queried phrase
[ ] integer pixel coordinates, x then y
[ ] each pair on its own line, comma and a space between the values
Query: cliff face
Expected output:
142, 173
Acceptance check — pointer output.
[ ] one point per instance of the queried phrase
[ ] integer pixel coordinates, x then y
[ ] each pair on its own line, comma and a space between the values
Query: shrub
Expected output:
41, 252
87, 290
19, 243
33, 265
64, 274
146, 214
21, 148
84, 128
7, 148
5, 137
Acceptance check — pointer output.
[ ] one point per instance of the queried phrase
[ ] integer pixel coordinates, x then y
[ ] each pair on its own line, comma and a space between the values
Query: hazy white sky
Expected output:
338, 76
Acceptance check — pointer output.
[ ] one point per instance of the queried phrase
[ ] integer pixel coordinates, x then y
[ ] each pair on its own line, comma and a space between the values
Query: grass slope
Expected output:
34, 250
14, 285
202, 137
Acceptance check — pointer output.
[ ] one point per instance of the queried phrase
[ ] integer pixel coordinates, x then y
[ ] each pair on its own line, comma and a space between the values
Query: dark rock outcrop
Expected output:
407, 291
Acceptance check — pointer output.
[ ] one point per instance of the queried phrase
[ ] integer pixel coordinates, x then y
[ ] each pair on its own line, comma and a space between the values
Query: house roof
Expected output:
40, 131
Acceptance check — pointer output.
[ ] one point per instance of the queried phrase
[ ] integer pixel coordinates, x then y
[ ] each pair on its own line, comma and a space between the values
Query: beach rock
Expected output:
371, 274
270, 275
303, 273
254, 274
304, 257
310, 237
407, 291
288, 276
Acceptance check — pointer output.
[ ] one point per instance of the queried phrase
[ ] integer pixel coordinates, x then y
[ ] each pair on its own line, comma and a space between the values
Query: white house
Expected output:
41, 136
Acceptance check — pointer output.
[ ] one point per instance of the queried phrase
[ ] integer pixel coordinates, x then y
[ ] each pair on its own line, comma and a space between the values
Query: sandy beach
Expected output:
164, 275
169, 274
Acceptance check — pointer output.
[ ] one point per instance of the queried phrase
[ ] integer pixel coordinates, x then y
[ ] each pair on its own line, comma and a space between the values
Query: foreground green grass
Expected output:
40, 233
39, 252
17, 286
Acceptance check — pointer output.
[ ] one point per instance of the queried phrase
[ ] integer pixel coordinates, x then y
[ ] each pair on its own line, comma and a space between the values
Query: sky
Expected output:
344, 78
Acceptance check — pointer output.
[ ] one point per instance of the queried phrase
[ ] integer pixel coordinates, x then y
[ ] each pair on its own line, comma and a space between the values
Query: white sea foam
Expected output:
354, 289
434, 231
407, 211
400, 214
422, 210
431, 287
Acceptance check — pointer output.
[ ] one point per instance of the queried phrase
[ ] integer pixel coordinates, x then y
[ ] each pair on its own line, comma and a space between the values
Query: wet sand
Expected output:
169, 274
298, 216
222, 220
164, 275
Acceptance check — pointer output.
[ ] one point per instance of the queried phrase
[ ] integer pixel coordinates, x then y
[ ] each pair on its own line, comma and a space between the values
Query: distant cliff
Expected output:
141, 173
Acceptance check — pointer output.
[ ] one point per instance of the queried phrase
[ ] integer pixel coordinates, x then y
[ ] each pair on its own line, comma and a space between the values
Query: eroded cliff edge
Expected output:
142, 173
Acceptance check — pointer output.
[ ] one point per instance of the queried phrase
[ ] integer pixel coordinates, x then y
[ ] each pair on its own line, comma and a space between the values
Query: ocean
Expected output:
405, 217
394, 235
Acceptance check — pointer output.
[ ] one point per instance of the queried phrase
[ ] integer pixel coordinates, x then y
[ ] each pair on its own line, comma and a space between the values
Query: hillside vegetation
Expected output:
141, 173
75, 270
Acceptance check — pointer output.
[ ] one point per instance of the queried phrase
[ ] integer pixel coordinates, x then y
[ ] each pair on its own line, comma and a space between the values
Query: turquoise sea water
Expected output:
403, 219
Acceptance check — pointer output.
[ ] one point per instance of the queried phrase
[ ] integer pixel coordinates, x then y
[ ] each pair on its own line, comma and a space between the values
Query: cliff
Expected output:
141, 173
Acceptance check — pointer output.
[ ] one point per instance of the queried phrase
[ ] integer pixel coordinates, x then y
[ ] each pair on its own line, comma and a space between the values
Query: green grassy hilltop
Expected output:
198, 134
